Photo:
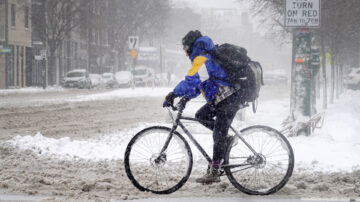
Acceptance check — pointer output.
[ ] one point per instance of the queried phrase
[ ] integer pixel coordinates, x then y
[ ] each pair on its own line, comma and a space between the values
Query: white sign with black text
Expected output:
302, 13
133, 42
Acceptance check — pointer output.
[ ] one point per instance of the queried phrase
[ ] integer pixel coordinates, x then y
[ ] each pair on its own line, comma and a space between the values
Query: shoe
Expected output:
211, 176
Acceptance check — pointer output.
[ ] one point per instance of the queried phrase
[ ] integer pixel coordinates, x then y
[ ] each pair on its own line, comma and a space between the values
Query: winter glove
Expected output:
169, 100
182, 102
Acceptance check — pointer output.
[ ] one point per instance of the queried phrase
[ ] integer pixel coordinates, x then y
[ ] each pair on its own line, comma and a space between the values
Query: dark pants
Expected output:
224, 112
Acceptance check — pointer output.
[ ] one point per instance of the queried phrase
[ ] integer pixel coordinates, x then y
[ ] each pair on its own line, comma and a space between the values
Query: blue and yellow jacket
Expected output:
197, 81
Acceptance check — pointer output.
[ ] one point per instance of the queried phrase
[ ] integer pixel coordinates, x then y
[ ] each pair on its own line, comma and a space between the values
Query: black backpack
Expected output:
245, 75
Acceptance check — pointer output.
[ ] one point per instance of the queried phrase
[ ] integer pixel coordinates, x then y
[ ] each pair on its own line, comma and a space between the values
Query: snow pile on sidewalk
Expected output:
334, 147
30, 90
337, 144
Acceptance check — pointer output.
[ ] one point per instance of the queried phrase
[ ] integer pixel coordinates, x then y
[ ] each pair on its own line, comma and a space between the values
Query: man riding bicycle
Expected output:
222, 100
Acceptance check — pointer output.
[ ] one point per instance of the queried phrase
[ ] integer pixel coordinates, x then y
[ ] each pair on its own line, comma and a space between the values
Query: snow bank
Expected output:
106, 147
334, 147
30, 90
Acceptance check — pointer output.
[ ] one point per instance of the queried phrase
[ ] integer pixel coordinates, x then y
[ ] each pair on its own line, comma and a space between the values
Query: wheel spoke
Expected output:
269, 170
151, 171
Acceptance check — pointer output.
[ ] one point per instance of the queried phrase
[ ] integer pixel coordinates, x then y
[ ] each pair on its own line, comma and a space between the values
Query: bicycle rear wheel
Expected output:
264, 173
149, 172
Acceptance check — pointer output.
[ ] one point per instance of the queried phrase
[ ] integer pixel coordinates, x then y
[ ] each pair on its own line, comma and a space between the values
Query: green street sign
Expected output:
5, 50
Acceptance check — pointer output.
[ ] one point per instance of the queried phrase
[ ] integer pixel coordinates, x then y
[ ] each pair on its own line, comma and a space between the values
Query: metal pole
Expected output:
6, 43
292, 92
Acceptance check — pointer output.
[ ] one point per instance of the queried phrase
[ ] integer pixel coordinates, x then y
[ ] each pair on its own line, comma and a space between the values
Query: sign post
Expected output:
302, 15
43, 55
42, 58
133, 51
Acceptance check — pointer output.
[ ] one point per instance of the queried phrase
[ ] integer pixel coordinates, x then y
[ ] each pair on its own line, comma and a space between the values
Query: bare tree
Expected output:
52, 22
338, 32
137, 17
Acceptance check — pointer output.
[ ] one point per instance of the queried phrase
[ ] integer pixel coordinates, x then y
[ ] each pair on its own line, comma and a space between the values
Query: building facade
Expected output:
90, 45
15, 42
101, 50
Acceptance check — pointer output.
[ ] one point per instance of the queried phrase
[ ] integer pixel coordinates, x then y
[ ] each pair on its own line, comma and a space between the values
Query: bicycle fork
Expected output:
162, 155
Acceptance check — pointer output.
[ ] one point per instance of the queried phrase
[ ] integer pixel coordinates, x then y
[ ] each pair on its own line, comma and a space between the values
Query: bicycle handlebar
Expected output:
180, 106
173, 108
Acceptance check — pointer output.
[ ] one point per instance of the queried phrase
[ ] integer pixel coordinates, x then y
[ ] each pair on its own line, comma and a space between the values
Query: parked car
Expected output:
78, 78
109, 80
144, 76
96, 80
352, 80
124, 78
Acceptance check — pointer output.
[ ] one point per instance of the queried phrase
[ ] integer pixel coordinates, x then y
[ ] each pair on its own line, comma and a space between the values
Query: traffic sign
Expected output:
133, 42
133, 53
302, 13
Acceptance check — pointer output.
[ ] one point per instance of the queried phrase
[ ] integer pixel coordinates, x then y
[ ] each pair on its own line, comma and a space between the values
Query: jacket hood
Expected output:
201, 46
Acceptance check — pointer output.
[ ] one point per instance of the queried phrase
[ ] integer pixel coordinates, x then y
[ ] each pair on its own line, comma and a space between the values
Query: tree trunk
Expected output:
62, 71
332, 86
323, 64
318, 86
337, 79
313, 96
51, 68
341, 78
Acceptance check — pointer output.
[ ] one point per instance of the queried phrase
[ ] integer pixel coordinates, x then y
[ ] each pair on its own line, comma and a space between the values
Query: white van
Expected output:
144, 76
77, 78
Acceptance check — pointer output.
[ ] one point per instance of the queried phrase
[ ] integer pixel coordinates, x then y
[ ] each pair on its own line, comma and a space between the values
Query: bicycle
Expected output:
158, 159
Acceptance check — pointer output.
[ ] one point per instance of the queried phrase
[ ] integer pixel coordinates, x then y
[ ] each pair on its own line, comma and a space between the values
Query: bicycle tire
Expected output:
272, 176
176, 173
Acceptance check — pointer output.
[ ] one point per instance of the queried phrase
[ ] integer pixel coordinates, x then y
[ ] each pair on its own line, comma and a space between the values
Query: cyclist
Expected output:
207, 77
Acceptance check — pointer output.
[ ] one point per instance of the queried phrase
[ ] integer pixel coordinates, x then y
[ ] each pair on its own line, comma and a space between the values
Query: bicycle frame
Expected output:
177, 123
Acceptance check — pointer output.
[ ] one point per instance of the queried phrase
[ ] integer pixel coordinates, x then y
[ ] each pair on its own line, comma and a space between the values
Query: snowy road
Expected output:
23, 198
245, 199
69, 145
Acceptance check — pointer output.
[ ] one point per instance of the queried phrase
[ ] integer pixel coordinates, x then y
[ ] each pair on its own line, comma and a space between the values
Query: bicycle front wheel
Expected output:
265, 172
151, 171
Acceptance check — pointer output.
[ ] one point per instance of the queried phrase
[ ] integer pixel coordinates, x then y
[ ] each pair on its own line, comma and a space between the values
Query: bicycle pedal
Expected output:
207, 183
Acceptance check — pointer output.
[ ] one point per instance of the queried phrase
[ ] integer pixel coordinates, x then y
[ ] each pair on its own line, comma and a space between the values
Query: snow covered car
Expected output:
95, 80
352, 80
78, 78
109, 80
144, 76
124, 78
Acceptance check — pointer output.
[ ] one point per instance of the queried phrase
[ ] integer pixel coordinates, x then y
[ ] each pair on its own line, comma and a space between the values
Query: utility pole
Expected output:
133, 51
302, 15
